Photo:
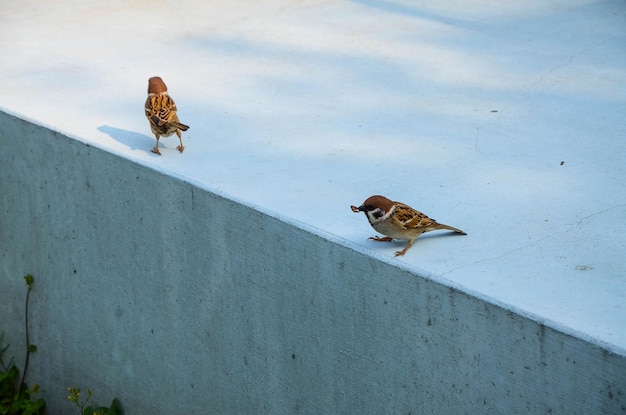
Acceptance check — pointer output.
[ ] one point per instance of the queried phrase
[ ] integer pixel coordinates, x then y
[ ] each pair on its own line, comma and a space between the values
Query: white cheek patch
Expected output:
378, 215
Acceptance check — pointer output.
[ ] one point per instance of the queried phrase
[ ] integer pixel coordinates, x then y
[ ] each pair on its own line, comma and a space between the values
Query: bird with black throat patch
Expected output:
161, 113
396, 220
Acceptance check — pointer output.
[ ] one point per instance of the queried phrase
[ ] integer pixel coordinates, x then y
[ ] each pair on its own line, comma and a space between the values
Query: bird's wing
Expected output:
409, 218
160, 109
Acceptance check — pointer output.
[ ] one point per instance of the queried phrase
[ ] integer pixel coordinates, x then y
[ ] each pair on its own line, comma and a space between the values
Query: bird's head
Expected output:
377, 208
156, 85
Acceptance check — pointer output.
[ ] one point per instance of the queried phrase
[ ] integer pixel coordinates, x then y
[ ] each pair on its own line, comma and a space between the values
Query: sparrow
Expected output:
398, 221
161, 112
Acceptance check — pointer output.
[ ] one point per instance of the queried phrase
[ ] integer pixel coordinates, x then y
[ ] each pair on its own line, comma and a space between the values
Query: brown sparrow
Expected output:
161, 112
398, 221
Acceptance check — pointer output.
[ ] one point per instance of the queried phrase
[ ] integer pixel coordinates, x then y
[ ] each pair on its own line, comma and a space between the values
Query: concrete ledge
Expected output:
179, 300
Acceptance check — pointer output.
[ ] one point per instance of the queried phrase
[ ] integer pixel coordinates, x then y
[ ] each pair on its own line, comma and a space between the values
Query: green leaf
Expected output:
29, 279
96, 411
115, 408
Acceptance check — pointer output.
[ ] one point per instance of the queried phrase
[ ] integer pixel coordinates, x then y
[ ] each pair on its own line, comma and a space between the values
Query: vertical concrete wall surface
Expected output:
234, 278
177, 300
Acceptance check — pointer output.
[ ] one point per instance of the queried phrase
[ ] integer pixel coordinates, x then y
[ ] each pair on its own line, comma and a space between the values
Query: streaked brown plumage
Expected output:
161, 112
396, 220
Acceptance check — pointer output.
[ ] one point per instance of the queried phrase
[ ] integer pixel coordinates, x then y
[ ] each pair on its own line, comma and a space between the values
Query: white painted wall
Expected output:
178, 300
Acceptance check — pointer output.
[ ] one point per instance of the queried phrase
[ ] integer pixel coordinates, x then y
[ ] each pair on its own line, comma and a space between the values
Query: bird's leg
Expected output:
379, 239
155, 150
406, 248
180, 147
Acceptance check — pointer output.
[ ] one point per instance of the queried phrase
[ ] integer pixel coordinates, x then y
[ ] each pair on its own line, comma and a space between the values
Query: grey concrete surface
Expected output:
503, 119
180, 301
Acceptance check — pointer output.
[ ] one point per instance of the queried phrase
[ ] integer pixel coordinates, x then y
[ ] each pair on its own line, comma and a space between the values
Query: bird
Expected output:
396, 220
161, 112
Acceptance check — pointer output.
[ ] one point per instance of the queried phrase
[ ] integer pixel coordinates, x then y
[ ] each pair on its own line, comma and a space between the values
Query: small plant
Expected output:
74, 397
15, 396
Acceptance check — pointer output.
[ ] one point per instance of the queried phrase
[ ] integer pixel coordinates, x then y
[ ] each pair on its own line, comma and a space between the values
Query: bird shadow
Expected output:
444, 234
132, 139
427, 235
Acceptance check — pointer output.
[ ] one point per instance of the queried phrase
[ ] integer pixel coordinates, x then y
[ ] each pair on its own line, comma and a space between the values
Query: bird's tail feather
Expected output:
450, 228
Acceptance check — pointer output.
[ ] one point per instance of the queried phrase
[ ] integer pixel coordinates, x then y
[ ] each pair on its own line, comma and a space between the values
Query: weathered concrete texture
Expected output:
178, 300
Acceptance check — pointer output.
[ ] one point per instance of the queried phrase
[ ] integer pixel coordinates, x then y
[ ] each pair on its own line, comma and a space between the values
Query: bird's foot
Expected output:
379, 239
156, 151
181, 148
406, 248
